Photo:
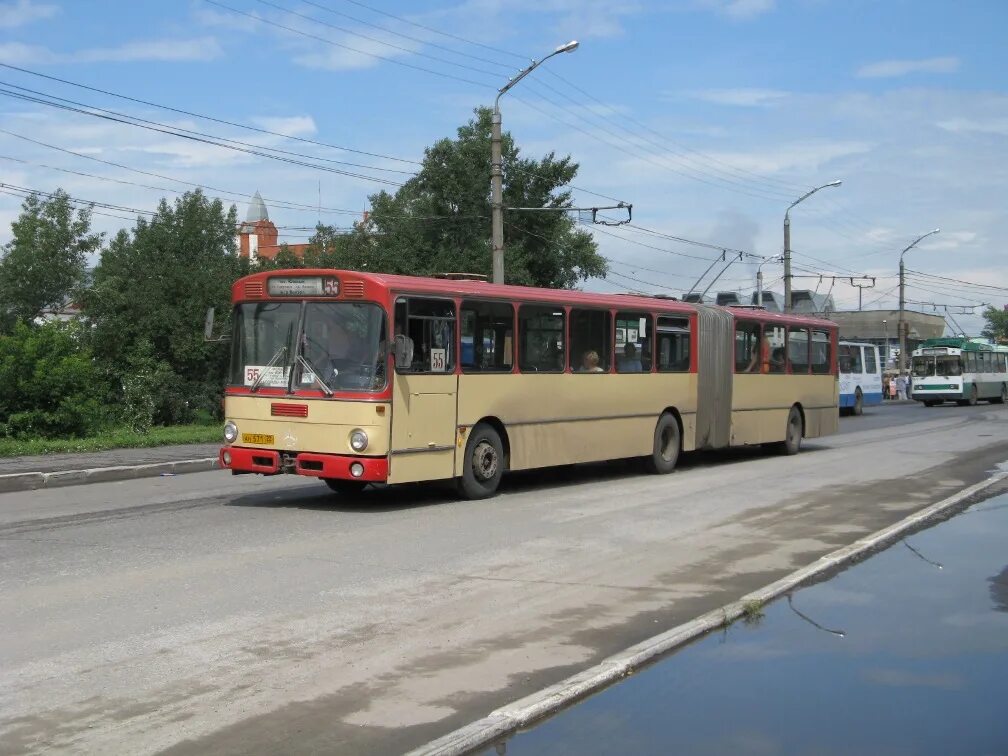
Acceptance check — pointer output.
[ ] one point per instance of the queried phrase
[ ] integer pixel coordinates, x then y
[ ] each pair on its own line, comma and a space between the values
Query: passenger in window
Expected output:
630, 363
759, 361
554, 357
590, 362
339, 350
777, 361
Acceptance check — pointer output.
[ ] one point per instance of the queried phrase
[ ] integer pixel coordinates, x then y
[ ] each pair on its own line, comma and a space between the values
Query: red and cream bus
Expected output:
359, 378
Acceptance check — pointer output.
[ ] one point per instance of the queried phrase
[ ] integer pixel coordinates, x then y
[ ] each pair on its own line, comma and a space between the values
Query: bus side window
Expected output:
430, 323
634, 342
487, 330
870, 363
747, 342
1000, 363
776, 337
673, 345
857, 366
590, 341
821, 362
798, 350
542, 342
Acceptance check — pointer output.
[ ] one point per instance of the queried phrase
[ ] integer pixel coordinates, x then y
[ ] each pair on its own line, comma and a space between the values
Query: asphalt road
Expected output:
205, 613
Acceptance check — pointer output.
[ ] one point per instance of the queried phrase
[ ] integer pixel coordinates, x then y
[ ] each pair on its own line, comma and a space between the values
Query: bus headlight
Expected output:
358, 440
230, 432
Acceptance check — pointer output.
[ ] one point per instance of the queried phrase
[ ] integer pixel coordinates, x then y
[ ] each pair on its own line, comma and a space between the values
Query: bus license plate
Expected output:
257, 438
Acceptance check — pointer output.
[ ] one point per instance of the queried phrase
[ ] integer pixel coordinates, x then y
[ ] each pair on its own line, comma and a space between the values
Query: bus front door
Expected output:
423, 427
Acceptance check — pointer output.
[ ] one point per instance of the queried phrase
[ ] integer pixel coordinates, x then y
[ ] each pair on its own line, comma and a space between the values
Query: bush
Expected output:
49, 384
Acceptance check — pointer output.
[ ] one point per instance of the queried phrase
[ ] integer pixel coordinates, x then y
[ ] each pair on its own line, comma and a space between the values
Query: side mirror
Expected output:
208, 325
403, 352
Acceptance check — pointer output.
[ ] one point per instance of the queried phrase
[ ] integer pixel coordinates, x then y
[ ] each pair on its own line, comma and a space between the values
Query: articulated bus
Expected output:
959, 370
359, 378
860, 377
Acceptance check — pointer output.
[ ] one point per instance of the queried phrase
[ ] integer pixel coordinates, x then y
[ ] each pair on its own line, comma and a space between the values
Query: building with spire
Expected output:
258, 236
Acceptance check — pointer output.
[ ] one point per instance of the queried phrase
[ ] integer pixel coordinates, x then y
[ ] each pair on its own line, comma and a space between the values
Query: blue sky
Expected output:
710, 116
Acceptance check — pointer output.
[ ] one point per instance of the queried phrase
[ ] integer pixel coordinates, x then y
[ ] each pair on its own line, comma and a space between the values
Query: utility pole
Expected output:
496, 176
902, 328
787, 242
860, 288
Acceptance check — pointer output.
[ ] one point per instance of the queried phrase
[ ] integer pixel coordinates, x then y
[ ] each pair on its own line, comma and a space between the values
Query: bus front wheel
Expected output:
483, 465
858, 403
667, 442
345, 487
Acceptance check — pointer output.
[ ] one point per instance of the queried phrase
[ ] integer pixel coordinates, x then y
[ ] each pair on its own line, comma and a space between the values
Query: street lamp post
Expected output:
885, 328
902, 320
496, 190
787, 242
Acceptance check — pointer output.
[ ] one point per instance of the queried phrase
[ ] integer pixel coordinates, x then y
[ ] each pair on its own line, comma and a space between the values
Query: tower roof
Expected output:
256, 210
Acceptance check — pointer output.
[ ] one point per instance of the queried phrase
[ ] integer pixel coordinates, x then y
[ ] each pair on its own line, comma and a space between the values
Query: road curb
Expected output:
525, 711
31, 481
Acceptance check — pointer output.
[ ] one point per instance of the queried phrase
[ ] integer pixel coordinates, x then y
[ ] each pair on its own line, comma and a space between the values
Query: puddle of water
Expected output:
906, 653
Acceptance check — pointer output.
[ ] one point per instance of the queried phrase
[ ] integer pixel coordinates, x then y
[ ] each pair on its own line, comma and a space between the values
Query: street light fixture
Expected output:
902, 319
787, 242
496, 189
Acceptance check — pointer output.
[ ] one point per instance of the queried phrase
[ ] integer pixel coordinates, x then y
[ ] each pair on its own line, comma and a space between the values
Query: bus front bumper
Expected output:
240, 459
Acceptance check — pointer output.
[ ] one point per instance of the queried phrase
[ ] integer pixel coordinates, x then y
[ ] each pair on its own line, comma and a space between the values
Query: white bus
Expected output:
959, 370
860, 376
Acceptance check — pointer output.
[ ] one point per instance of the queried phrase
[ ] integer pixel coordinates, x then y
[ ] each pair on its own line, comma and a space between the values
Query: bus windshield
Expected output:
948, 366
311, 345
923, 366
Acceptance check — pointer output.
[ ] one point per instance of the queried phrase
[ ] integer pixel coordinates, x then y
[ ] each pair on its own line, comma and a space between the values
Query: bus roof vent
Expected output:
254, 289
460, 276
353, 289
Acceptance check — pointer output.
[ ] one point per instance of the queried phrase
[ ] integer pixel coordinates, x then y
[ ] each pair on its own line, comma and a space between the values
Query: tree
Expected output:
439, 220
44, 264
149, 297
51, 384
997, 324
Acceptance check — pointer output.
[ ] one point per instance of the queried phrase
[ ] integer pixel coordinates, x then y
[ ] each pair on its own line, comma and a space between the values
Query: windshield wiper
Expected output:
305, 365
262, 373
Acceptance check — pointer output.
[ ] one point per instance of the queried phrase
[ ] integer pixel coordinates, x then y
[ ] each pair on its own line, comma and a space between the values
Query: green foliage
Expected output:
997, 324
43, 265
51, 385
113, 438
147, 305
439, 220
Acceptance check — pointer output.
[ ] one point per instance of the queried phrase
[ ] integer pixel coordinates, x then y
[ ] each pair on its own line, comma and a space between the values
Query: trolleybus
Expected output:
860, 377
359, 378
959, 370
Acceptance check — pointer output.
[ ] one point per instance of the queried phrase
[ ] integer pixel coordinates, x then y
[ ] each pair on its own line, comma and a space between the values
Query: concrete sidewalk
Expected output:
51, 470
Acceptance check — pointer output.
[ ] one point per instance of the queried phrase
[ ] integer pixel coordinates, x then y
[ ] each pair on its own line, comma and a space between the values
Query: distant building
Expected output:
881, 327
257, 236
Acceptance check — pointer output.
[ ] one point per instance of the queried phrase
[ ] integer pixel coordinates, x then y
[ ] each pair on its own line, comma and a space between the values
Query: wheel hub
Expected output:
484, 460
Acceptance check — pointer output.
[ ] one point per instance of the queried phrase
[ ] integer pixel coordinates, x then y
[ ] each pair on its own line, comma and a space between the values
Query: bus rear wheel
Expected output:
1003, 398
858, 403
972, 396
667, 443
483, 464
345, 487
793, 434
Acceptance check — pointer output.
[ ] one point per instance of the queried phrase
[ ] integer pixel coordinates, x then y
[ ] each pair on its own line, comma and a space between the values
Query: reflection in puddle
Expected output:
921, 667
999, 590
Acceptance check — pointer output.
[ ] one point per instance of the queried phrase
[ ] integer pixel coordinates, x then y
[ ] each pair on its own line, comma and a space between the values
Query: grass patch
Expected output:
116, 438
752, 612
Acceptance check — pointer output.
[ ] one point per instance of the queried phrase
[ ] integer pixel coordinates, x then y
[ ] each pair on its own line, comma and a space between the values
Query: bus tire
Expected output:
345, 487
858, 403
483, 464
793, 434
972, 396
1003, 397
667, 444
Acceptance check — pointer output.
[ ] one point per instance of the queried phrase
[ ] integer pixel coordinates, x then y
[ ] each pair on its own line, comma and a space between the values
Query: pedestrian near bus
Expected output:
901, 386
892, 387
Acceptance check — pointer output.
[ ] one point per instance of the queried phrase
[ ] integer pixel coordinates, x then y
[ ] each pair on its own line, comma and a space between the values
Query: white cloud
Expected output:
21, 12
289, 126
168, 50
998, 126
798, 157
892, 68
740, 10
743, 97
